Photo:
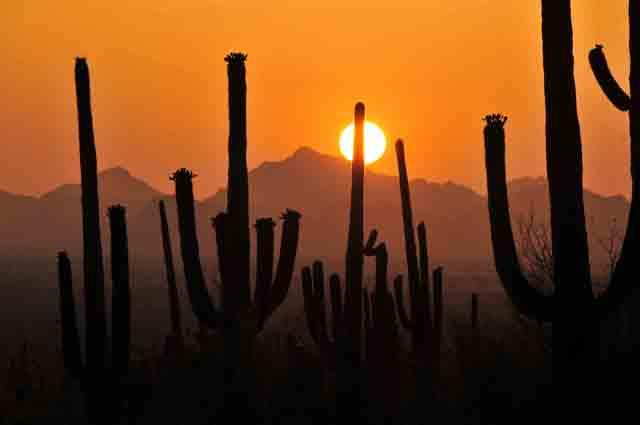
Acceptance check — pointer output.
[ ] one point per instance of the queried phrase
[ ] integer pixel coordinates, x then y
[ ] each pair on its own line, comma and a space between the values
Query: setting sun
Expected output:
374, 142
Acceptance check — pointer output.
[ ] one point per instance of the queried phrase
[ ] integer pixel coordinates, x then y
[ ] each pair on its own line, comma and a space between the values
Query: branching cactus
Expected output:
98, 373
269, 293
420, 321
575, 315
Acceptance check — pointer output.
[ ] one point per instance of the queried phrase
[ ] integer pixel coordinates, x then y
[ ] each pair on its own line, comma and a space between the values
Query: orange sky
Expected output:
428, 71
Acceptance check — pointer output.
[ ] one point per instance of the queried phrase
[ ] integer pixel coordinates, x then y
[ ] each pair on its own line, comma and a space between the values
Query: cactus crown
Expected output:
218, 220
115, 209
265, 222
290, 215
182, 173
495, 120
234, 58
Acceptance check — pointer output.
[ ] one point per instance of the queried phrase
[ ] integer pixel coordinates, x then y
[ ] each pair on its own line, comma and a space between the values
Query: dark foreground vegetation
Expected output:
346, 350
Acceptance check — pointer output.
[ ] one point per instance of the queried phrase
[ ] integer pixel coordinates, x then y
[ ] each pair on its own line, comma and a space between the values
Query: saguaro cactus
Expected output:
237, 250
97, 383
176, 338
424, 330
96, 321
575, 316
354, 257
269, 295
121, 293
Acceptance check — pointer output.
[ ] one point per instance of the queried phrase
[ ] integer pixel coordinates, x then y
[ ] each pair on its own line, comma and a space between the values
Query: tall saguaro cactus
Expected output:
354, 257
420, 322
573, 309
98, 384
232, 233
345, 351
96, 321
238, 250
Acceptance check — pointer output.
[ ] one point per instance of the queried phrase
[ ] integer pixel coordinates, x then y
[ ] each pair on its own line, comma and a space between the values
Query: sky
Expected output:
427, 70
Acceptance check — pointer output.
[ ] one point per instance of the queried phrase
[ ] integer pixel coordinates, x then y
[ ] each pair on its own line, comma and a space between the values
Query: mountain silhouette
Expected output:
315, 184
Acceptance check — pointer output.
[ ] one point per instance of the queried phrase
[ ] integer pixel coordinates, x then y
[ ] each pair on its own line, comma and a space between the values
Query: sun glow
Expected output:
374, 142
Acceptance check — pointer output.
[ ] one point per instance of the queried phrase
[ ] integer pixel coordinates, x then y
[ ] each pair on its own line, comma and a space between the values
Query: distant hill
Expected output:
315, 184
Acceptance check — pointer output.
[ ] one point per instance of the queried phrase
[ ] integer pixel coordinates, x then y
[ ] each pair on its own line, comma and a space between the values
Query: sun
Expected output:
374, 142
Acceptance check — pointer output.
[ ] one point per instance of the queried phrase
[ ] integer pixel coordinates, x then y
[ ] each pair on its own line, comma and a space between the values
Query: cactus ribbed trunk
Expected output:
96, 322
238, 295
121, 292
174, 301
71, 352
572, 331
354, 258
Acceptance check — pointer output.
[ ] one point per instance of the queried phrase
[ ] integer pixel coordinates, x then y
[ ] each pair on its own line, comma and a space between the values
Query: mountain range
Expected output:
316, 185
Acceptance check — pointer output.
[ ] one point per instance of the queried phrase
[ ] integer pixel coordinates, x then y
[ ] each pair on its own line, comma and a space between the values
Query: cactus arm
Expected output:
336, 305
221, 227
174, 302
320, 305
527, 299
624, 278
402, 312
71, 353
310, 311
265, 246
407, 220
286, 261
95, 311
616, 95
201, 303
121, 293
424, 274
438, 316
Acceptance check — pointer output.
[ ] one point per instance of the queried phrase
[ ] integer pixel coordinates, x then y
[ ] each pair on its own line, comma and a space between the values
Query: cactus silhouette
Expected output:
97, 383
624, 273
573, 308
232, 233
345, 351
96, 321
354, 257
175, 341
424, 326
